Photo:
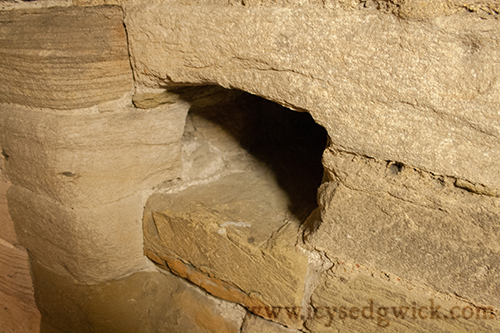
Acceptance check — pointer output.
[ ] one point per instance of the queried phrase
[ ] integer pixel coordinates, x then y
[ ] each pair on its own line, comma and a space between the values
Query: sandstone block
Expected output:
238, 245
416, 225
351, 298
92, 244
230, 224
91, 159
63, 58
377, 83
141, 302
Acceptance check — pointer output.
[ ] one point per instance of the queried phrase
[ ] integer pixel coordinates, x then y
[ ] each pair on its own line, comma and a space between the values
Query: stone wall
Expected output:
146, 204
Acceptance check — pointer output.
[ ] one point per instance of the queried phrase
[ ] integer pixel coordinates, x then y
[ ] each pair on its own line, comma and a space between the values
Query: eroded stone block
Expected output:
231, 223
351, 298
416, 225
377, 83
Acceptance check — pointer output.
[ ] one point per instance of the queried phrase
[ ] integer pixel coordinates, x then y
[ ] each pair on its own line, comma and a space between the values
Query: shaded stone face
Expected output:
141, 302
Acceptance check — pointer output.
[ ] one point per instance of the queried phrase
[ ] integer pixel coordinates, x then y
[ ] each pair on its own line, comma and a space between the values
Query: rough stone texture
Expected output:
92, 244
418, 226
351, 298
407, 90
423, 92
18, 312
255, 324
141, 302
63, 58
81, 180
406, 9
221, 243
87, 158
231, 223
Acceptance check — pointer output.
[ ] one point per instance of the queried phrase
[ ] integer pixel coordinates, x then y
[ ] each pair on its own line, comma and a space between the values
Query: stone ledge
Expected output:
233, 243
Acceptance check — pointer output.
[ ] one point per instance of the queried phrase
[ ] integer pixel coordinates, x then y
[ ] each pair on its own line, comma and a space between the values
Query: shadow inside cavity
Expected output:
289, 143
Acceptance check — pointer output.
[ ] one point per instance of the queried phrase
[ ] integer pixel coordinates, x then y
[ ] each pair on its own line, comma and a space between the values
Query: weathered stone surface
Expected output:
63, 58
407, 81
235, 237
406, 9
378, 84
230, 225
6, 224
416, 225
141, 302
231, 132
18, 312
93, 244
18, 317
255, 324
85, 159
352, 298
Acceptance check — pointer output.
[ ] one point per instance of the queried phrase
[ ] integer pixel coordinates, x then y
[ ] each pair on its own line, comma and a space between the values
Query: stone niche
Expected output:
252, 166
231, 223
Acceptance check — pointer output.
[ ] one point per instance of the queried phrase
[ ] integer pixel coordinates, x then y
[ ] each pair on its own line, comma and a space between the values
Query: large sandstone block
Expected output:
422, 92
419, 226
63, 58
92, 244
85, 159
